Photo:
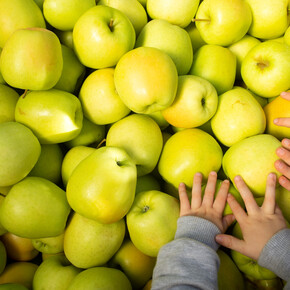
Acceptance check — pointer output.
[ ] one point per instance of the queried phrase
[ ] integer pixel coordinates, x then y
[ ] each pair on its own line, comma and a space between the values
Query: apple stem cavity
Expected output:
262, 65
111, 26
194, 20
146, 208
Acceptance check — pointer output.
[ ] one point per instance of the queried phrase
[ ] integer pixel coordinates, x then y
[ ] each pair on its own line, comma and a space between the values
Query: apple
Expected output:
55, 273
159, 119
195, 37
102, 186
54, 116
143, 2
188, 152
195, 103
39, 3
169, 38
283, 201
149, 215
100, 278
2, 229
2, 81
223, 22
24, 72
65, 37
238, 116
16, 161
276, 283
8, 100
63, 14
216, 64
278, 108
261, 100
148, 285
287, 36
147, 182
176, 12
100, 101
141, 138
18, 14
88, 243
52, 245
146, 80
3, 257
35, 208
266, 27
269, 60
101, 36
253, 158
12, 286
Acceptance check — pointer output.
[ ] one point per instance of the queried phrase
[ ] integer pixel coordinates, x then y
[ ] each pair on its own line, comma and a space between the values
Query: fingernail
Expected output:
286, 142
218, 239
238, 177
281, 151
276, 121
283, 94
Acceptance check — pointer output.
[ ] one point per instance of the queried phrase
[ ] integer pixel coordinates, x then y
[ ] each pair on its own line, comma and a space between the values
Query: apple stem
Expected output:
194, 20
99, 145
111, 24
24, 94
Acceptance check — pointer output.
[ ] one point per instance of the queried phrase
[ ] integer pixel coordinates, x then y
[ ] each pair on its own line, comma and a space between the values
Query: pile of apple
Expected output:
106, 106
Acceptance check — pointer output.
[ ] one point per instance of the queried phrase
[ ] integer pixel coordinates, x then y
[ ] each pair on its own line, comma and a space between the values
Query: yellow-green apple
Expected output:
223, 22
216, 64
18, 249
188, 152
152, 221
100, 101
229, 276
241, 48
238, 116
159, 119
137, 266
169, 38
55, 273
45, 256
3, 257
195, 37
52, 245
8, 100
88, 243
266, 27
16, 161
283, 200
100, 278
195, 103
101, 36
12, 286
287, 36
146, 80
269, 60
147, 182
73, 72
102, 186
18, 14
39, 3
65, 37
261, 100
35, 208
253, 158
49, 163
132, 9
267, 284
71, 160
63, 14
176, 12
2, 230
2, 81
143, 2
278, 108
141, 138
54, 116
40, 72
148, 285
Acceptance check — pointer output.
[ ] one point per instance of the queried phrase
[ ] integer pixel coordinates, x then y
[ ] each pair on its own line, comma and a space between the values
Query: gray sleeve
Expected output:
190, 261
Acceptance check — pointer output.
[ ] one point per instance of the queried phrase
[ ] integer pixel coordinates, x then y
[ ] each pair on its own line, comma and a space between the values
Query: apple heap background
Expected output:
106, 106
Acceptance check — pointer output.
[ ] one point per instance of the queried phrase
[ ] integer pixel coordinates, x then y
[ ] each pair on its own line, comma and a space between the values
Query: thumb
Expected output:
227, 221
230, 242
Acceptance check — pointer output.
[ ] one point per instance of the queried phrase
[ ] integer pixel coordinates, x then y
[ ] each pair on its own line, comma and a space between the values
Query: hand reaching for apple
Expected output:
259, 224
208, 208
283, 165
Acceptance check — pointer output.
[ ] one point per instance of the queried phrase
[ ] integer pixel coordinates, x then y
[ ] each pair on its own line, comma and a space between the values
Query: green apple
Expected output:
54, 116
195, 37
266, 27
195, 103
223, 22
3, 257
216, 64
12, 286
147, 182
169, 38
18, 14
238, 116
65, 37
146, 80
141, 138
253, 158
88, 243
8, 100
241, 48
269, 60
137, 266
22, 71
287, 36
63, 14
19, 152
100, 101
102, 186
101, 36
283, 200
2, 81
39, 3
71, 160
55, 273
132, 9
143, 2
267, 284
176, 12
2, 230
159, 119
35, 208
100, 278
206, 127
149, 224
186, 153
261, 100
52, 245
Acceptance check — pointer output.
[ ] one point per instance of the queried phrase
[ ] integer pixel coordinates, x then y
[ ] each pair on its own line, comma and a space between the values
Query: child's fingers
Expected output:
284, 122
228, 220
196, 191
284, 154
282, 167
286, 143
236, 208
231, 242
285, 95
285, 182
269, 200
183, 198
221, 198
210, 190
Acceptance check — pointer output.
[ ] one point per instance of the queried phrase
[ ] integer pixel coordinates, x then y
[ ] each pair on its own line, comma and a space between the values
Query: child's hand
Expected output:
259, 224
206, 208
